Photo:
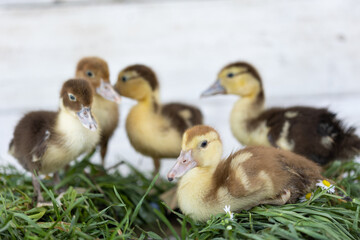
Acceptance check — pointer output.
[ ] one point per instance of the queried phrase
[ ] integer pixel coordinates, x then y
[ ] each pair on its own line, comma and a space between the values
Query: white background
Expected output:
307, 51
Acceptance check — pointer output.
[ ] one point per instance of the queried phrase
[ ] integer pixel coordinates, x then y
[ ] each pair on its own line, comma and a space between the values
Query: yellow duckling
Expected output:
249, 177
105, 108
154, 129
314, 133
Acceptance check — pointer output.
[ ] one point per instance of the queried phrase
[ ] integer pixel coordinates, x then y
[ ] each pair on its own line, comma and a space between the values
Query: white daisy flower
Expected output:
306, 197
227, 211
326, 185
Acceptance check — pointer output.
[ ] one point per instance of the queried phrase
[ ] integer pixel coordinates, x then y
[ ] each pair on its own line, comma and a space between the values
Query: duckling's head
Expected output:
96, 71
76, 97
239, 78
138, 82
201, 147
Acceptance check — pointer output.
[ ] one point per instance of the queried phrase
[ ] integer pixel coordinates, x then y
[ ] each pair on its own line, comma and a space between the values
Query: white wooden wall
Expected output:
307, 51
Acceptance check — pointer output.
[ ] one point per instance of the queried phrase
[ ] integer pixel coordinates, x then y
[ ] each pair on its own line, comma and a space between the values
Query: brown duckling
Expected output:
154, 129
44, 142
247, 178
105, 107
315, 133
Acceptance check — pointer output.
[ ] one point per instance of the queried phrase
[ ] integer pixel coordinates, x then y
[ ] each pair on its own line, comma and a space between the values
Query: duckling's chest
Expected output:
241, 116
152, 134
107, 114
73, 140
192, 194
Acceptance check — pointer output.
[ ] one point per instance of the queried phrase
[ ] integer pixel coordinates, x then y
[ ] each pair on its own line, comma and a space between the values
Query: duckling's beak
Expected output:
86, 118
214, 89
183, 164
108, 92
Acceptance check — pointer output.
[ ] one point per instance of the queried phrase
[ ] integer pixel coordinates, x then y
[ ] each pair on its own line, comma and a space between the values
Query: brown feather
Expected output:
307, 129
96, 64
198, 131
173, 112
79, 87
286, 170
146, 73
29, 137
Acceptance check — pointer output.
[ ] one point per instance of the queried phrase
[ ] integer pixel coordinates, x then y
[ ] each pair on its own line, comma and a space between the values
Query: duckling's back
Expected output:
314, 133
182, 116
268, 172
29, 139
297, 173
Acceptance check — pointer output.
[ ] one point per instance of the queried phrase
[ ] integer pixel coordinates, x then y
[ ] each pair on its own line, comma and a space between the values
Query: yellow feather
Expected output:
152, 134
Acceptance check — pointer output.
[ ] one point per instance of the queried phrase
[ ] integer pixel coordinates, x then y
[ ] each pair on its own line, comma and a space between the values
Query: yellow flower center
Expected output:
326, 183
308, 196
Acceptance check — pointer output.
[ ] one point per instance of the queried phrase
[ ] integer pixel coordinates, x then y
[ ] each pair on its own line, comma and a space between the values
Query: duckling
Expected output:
247, 178
45, 142
154, 129
315, 133
105, 107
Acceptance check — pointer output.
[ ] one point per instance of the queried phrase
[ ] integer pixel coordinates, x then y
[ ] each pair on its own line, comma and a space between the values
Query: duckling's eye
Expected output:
124, 78
230, 75
72, 97
90, 74
204, 144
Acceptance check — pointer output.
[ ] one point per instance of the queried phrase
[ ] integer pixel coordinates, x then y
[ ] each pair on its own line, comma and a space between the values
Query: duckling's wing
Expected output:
40, 147
274, 119
315, 133
182, 116
32, 135
301, 173
270, 172
322, 137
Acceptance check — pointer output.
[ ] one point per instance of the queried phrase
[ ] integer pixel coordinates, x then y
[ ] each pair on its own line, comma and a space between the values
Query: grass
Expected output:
104, 204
